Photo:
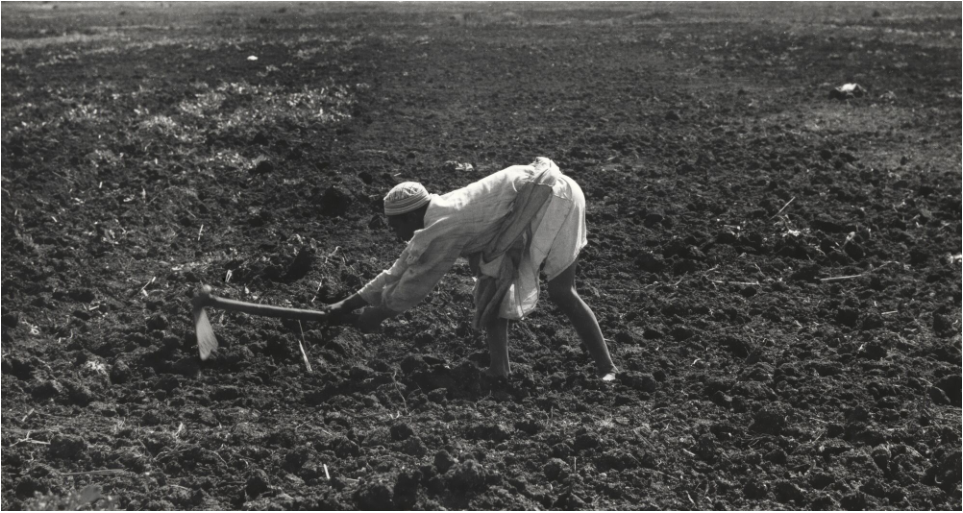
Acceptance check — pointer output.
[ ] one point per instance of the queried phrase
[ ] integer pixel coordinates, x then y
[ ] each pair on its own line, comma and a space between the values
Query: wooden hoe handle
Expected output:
207, 342
206, 299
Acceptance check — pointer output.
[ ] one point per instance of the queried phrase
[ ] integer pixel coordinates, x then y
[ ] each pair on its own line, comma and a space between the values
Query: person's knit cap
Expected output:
405, 197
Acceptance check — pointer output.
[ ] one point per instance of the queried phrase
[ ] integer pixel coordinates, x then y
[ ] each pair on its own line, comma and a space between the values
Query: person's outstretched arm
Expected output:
368, 321
426, 259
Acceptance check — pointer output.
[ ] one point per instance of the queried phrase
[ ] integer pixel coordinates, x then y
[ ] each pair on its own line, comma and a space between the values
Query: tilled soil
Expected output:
776, 265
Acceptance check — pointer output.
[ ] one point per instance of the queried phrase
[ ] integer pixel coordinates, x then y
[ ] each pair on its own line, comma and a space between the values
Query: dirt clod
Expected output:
375, 496
753, 490
555, 469
263, 167
771, 420
47, 389
787, 491
66, 446
29, 486
158, 322
335, 202
639, 381
401, 431
257, 483
18, 367
406, 487
496, 432
444, 461
467, 476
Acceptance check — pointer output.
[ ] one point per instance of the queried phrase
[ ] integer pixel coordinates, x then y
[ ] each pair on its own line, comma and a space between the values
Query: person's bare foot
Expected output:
609, 375
497, 374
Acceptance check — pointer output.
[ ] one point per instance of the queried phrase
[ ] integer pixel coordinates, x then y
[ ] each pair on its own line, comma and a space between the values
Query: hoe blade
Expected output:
206, 341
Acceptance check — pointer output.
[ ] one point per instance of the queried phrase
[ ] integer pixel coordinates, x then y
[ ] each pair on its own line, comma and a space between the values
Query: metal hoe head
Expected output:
206, 341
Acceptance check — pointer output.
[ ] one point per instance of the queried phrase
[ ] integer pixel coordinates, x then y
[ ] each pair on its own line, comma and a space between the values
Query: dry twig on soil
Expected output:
784, 207
854, 276
304, 354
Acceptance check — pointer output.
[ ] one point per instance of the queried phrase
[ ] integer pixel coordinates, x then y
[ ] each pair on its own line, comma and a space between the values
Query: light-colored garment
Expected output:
496, 269
469, 221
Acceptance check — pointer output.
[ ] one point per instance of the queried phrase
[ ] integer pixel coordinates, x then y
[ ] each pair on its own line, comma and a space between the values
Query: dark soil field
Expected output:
776, 265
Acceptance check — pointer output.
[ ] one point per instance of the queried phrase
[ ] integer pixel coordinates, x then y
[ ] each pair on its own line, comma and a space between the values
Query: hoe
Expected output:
207, 342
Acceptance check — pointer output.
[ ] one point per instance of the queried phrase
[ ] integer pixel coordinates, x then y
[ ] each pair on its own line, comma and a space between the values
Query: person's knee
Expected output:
496, 327
562, 294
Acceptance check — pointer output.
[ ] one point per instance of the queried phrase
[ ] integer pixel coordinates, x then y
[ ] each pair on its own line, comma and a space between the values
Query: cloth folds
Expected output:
506, 251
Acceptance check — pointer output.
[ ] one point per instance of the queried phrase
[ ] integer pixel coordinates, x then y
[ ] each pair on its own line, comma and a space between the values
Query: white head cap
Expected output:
405, 197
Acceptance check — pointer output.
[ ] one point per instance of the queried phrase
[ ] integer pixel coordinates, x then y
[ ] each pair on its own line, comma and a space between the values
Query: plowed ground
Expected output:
777, 270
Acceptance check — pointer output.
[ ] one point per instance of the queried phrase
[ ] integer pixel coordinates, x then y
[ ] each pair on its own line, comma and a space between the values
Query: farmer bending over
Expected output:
507, 225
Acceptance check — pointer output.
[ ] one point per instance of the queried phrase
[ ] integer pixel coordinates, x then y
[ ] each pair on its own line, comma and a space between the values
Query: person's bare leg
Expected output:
562, 291
497, 334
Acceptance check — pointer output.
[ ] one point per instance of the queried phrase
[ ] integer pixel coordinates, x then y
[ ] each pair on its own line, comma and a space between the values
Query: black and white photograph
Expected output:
481, 256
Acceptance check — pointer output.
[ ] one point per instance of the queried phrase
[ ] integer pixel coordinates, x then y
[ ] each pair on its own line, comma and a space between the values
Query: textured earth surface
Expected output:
776, 264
